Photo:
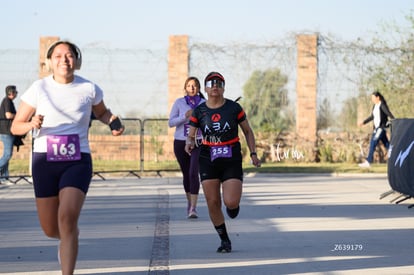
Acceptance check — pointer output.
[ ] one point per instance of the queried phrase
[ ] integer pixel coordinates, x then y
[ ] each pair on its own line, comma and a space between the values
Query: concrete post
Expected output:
306, 86
178, 69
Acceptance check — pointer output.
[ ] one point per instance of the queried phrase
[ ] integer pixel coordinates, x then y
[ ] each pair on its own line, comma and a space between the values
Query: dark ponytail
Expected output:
378, 94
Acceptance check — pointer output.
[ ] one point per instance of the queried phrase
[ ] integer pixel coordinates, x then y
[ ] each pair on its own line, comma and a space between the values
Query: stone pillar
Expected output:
178, 69
306, 87
45, 42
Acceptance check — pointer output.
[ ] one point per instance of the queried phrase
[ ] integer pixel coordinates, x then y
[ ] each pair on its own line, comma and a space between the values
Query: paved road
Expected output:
288, 224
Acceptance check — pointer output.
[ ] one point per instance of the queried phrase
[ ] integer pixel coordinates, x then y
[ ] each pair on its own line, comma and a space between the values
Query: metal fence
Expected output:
144, 148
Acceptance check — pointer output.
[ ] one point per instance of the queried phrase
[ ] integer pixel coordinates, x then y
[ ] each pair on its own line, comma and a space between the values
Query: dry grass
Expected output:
21, 167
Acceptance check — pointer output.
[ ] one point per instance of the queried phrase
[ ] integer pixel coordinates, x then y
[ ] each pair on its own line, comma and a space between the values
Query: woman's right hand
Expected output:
189, 147
188, 113
36, 121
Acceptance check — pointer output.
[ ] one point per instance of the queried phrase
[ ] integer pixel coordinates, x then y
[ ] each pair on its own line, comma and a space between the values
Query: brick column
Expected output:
306, 86
45, 42
178, 69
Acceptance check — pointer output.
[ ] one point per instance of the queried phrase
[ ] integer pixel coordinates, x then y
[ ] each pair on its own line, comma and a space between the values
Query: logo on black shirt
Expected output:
215, 117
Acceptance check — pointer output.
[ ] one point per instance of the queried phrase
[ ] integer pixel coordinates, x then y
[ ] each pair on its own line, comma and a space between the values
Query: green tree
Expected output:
349, 114
265, 100
325, 117
383, 62
391, 70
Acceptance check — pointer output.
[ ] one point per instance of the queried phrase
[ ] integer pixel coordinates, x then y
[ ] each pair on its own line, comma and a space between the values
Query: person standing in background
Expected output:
59, 107
380, 114
7, 114
179, 118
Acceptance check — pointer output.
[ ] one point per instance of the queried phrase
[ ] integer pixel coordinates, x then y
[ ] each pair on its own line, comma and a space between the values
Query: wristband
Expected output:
253, 154
115, 124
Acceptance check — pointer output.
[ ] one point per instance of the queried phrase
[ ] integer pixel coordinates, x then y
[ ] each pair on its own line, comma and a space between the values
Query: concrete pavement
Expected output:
288, 224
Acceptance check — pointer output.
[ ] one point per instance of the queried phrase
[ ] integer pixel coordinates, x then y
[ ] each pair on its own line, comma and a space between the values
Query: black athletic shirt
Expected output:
218, 126
7, 105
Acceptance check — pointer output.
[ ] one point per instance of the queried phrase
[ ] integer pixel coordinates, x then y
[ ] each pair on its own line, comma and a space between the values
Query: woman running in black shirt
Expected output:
220, 157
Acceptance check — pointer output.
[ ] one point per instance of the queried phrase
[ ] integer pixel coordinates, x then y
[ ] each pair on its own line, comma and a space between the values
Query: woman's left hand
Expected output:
256, 161
118, 132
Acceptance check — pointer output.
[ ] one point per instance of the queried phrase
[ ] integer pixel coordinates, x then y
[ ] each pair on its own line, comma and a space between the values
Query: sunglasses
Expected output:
218, 82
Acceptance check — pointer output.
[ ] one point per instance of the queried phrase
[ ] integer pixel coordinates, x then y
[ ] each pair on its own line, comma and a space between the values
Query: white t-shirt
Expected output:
66, 108
377, 115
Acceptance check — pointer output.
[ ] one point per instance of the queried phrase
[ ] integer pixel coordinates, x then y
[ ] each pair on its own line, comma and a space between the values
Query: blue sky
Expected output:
137, 23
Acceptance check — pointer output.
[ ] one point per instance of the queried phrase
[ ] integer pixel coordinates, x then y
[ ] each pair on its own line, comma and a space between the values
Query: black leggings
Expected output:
50, 177
189, 167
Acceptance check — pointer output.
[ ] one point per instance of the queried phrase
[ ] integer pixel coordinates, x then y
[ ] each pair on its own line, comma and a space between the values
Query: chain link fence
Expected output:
135, 84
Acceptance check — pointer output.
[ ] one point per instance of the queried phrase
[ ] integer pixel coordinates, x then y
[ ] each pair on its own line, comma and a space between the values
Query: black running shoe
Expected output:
225, 247
232, 213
